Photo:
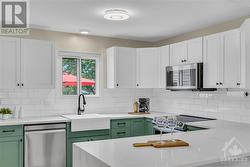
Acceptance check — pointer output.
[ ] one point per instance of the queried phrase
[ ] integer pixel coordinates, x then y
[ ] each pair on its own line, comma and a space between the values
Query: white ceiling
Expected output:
151, 20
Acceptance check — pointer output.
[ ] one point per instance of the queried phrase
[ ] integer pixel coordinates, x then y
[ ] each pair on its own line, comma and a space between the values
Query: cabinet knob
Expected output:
217, 83
238, 83
18, 84
22, 84
221, 83
137, 84
117, 84
21, 140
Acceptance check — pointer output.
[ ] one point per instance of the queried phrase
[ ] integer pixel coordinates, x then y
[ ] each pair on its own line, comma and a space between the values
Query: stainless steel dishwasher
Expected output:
45, 145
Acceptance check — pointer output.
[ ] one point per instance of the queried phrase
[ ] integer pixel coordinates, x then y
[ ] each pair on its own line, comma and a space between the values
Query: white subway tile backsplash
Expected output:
232, 106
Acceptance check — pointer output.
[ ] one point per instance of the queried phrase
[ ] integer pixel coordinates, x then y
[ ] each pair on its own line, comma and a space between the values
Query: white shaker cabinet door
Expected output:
212, 61
232, 58
9, 63
245, 55
148, 68
37, 64
178, 53
125, 67
195, 50
164, 62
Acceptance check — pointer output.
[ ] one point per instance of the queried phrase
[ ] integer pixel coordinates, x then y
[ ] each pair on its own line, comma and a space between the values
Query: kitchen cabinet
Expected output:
137, 127
245, 54
222, 60
9, 62
121, 67
186, 52
26, 63
83, 136
148, 72
195, 50
120, 128
232, 59
11, 146
212, 61
149, 129
37, 64
164, 62
178, 53
131, 127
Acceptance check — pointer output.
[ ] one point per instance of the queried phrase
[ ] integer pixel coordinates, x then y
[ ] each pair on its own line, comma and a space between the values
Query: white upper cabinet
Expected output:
186, 52
9, 63
164, 62
148, 71
195, 50
245, 54
26, 63
121, 67
178, 53
212, 60
232, 58
37, 65
222, 57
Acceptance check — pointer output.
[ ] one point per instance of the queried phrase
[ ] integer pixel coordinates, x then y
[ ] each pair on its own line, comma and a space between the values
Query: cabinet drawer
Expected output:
120, 133
6, 131
121, 123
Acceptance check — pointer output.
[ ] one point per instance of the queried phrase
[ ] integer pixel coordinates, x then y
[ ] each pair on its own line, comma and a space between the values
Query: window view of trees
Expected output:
88, 74
70, 76
69, 73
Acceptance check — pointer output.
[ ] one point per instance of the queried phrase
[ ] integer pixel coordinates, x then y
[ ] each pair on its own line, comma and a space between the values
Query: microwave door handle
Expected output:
180, 78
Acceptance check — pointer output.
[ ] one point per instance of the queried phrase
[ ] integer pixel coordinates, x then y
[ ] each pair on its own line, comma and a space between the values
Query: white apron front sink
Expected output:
87, 122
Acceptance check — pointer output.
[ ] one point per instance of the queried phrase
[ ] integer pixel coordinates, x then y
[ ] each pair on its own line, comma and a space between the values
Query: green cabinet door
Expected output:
149, 129
137, 127
11, 151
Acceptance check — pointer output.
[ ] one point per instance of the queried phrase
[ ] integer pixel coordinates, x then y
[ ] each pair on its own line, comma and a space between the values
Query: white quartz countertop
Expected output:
206, 147
66, 118
69, 117
33, 120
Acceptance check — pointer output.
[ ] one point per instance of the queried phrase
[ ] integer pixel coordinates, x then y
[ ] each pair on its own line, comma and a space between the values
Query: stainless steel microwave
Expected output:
185, 77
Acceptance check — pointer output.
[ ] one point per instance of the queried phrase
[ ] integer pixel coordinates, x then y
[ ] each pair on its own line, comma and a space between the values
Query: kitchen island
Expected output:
206, 147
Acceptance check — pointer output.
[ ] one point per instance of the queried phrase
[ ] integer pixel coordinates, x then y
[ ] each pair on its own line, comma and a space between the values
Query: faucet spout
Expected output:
81, 109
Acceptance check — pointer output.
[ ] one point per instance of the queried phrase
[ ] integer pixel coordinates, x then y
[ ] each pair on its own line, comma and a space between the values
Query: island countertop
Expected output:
206, 147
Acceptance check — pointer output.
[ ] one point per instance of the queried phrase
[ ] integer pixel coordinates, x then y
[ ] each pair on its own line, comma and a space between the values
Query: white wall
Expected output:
232, 105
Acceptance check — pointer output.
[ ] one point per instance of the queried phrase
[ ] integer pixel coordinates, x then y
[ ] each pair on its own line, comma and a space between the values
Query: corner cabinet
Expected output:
11, 146
222, 60
121, 67
26, 63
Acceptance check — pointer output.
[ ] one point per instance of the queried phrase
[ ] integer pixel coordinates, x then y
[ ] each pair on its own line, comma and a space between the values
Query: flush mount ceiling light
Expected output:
116, 14
84, 32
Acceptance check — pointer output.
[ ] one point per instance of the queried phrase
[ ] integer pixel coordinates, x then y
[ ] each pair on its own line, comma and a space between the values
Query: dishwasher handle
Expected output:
45, 131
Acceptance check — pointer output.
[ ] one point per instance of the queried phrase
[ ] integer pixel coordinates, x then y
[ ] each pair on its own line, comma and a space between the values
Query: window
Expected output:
79, 75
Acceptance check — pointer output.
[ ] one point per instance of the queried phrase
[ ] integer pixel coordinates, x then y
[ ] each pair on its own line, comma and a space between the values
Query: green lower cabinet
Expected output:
11, 146
83, 136
137, 127
149, 128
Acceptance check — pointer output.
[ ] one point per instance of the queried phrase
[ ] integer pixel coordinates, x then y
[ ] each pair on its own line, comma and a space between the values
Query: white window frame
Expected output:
79, 56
